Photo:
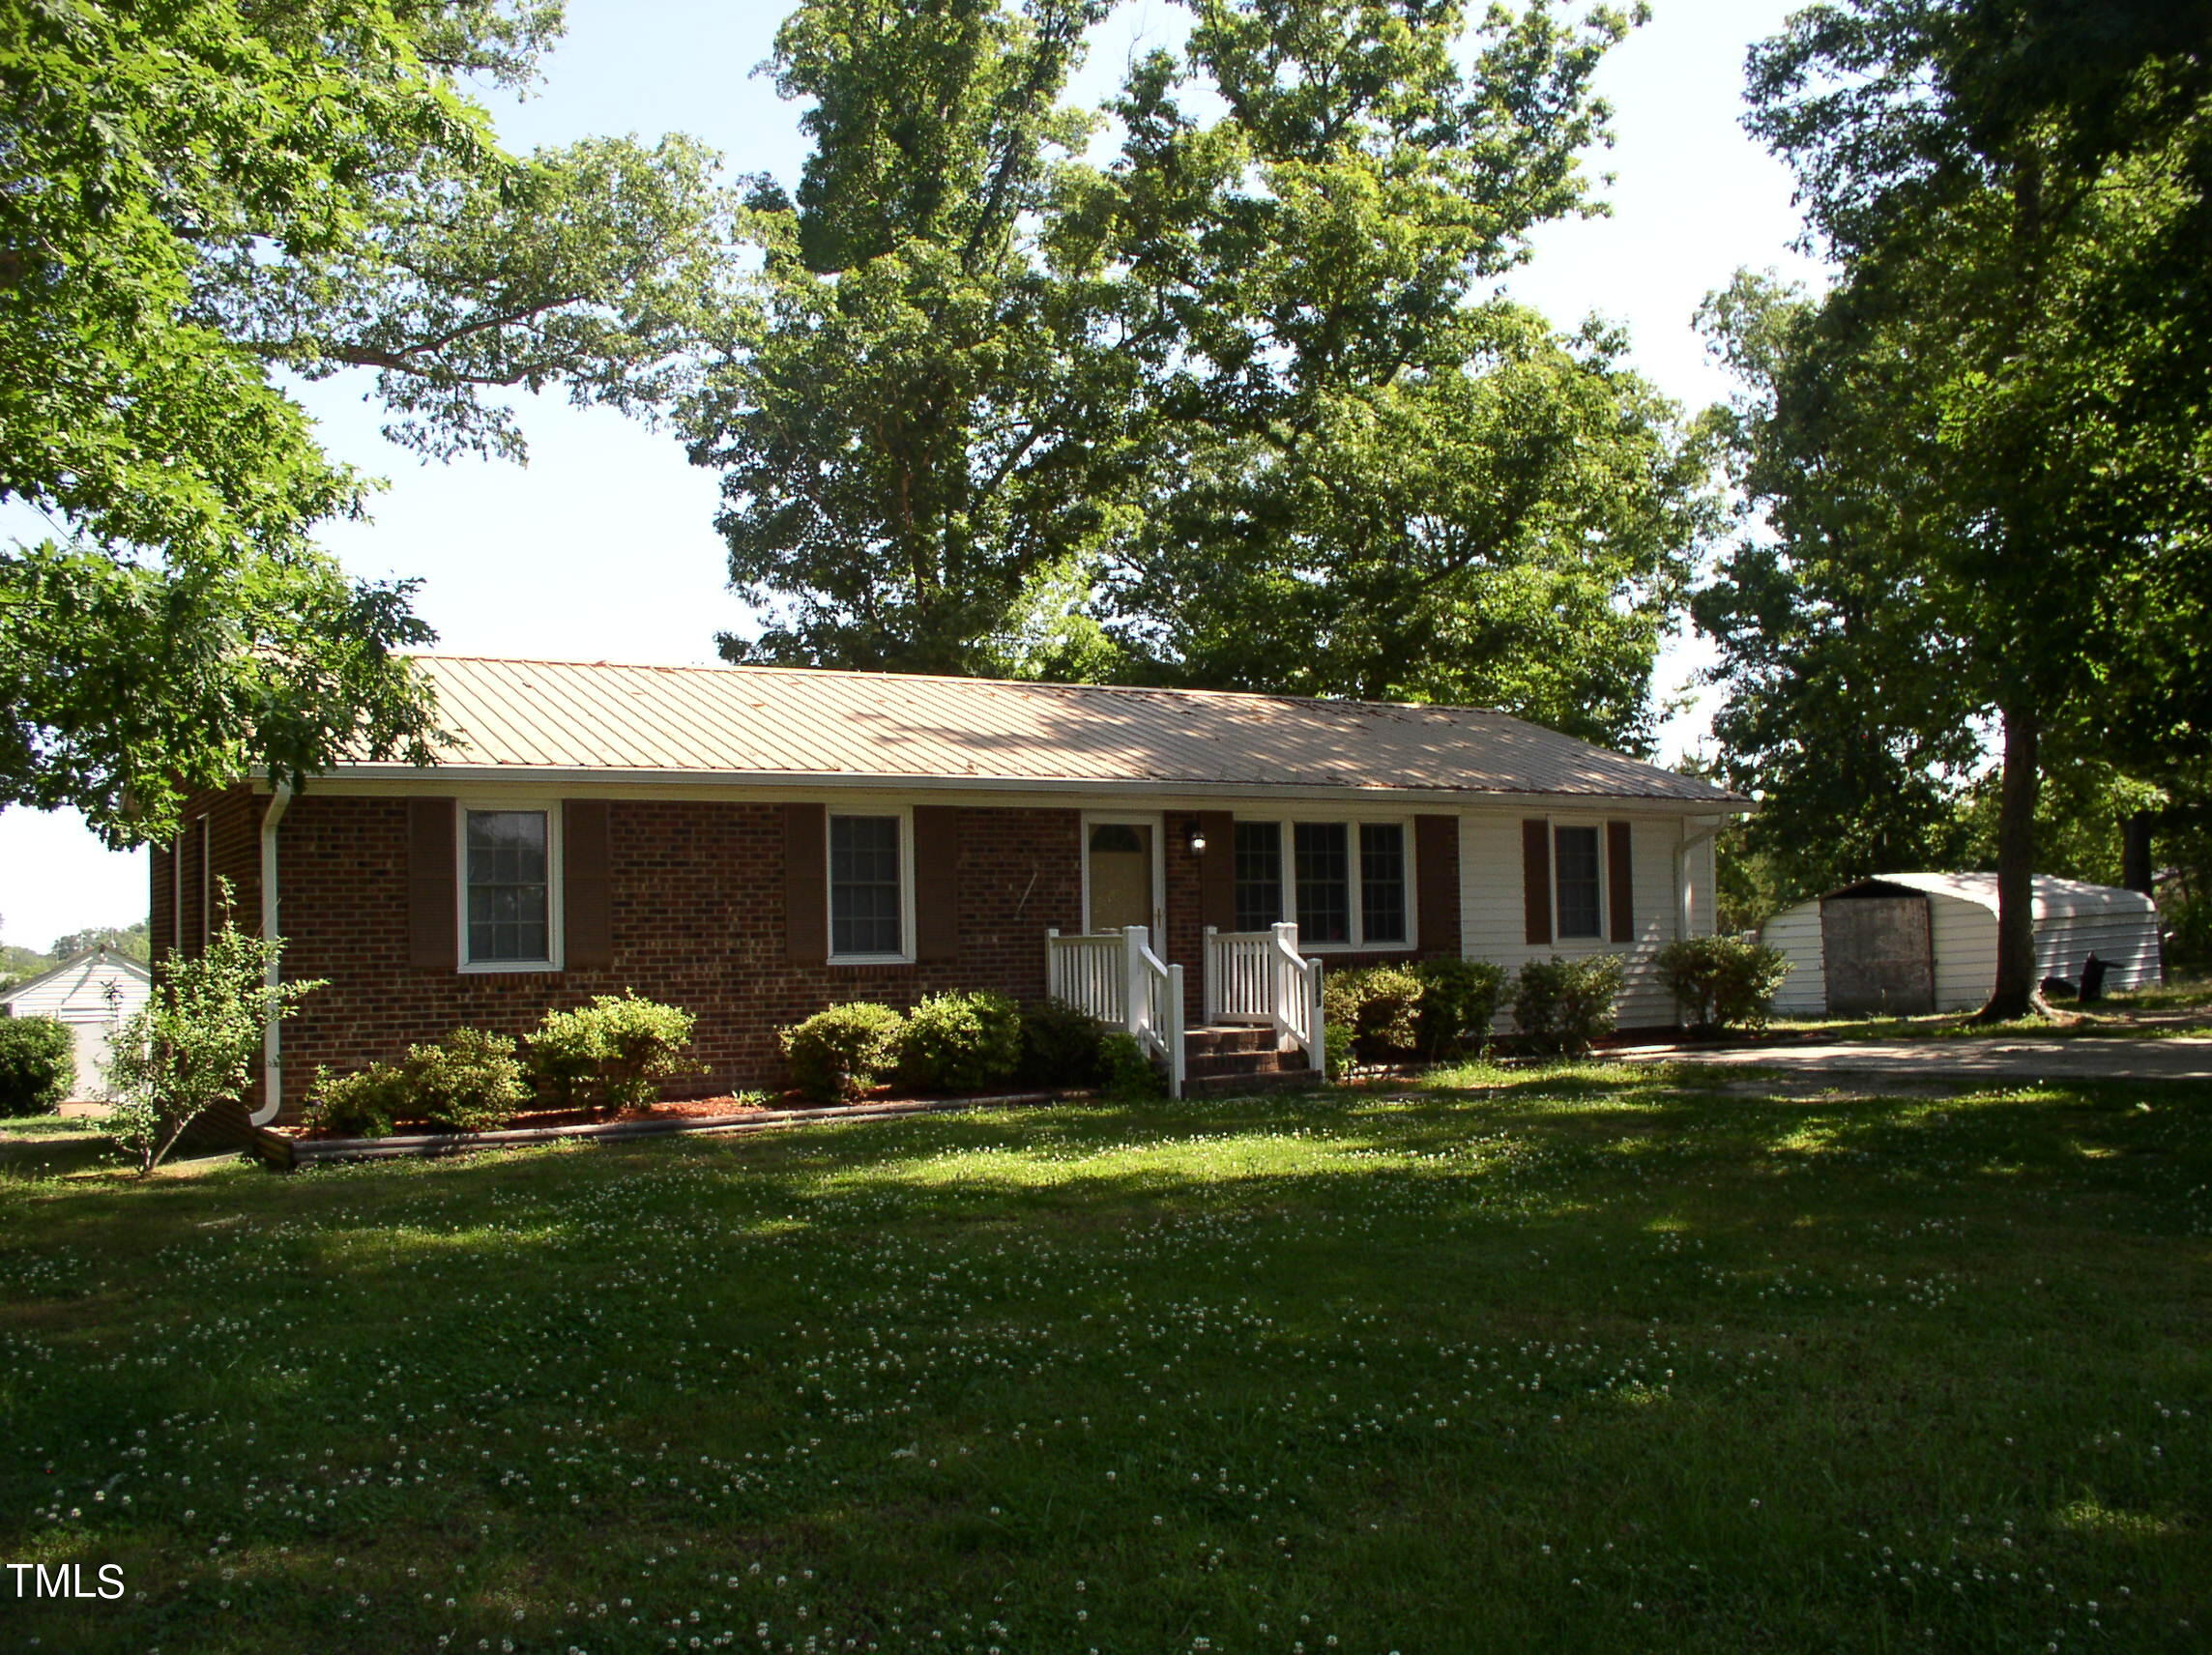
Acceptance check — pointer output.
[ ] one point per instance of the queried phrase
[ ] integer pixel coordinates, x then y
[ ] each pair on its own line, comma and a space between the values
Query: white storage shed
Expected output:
1921, 942
91, 992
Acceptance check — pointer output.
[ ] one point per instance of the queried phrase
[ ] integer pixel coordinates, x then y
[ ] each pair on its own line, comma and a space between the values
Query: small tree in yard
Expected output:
193, 1043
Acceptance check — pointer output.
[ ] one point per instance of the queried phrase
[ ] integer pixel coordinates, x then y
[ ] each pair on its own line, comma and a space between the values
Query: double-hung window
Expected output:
1579, 881
868, 887
508, 913
1345, 882
1259, 874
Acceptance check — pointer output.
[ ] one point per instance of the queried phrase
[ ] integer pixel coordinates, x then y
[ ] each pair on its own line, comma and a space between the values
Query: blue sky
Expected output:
603, 548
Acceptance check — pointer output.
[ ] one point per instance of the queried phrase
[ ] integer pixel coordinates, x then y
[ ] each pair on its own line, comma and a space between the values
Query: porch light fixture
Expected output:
1197, 840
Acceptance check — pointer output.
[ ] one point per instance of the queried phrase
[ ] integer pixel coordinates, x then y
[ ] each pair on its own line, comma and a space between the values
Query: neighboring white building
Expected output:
91, 992
1911, 943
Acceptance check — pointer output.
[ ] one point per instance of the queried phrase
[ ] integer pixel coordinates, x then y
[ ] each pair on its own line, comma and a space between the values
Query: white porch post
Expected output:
1134, 986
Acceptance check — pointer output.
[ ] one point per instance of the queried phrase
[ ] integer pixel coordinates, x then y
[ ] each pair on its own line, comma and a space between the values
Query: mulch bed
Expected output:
291, 1147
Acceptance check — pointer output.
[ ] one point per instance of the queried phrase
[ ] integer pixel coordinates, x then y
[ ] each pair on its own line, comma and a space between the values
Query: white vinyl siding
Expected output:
1795, 933
1493, 922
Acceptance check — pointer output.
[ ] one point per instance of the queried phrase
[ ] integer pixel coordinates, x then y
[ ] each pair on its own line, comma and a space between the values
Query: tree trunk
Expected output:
2136, 870
2018, 989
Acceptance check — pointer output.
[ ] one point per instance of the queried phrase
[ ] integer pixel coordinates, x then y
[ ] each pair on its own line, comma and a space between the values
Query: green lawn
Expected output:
1573, 1361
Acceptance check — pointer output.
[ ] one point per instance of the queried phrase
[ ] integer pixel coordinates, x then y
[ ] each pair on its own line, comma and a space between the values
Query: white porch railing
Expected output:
1259, 977
1117, 979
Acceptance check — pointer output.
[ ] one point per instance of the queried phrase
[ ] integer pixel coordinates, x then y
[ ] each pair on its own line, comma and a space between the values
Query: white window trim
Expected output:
1288, 902
1156, 820
555, 939
904, 815
1600, 943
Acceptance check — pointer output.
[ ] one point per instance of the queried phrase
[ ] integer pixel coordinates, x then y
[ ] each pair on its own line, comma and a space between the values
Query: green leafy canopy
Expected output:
194, 197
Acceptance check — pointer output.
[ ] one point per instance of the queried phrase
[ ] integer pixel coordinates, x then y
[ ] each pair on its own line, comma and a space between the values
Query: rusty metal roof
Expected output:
796, 724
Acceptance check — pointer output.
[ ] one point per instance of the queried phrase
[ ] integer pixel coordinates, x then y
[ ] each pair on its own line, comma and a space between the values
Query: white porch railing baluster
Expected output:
1258, 977
1119, 980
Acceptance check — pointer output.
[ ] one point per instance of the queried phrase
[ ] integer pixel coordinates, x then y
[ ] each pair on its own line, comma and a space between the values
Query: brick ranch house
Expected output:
756, 843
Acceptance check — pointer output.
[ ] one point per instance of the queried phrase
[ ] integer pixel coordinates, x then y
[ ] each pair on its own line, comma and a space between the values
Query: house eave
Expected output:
455, 778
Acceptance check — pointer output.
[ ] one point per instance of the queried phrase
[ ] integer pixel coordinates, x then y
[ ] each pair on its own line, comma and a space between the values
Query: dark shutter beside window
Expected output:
1536, 880
1436, 881
433, 936
1217, 870
586, 906
805, 885
1620, 882
935, 881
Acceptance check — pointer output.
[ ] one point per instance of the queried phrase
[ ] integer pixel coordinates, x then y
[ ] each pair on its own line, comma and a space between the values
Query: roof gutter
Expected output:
272, 1037
452, 777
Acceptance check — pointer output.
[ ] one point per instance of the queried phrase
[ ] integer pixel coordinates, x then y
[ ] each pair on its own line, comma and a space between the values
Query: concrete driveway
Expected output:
1966, 1062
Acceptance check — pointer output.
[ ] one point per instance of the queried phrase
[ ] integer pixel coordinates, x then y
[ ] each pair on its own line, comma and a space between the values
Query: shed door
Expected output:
1879, 955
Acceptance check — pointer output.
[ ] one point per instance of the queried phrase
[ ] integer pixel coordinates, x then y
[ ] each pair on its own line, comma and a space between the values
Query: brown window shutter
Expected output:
1435, 876
1536, 879
935, 881
1620, 882
433, 940
587, 909
806, 882
1217, 870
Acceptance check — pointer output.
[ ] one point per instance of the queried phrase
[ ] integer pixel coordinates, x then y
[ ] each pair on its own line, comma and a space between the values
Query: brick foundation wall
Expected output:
696, 893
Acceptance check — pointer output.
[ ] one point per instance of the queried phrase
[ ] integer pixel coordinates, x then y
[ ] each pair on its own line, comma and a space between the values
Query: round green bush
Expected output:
469, 1082
37, 1064
1566, 1007
363, 1104
1458, 1000
840, 1053
1131, 1075
1059, 1045
614, 1052
959, 1042
1722, 982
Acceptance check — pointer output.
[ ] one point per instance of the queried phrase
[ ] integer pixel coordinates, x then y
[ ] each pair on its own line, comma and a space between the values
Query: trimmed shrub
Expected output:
614, 1052
37, 1064
840, 1053
1565, 1005
1459, 998
1336, 1054
1059, 1045
958, 1042
361, 1105
1130, 1073
469, 1082
1722, 982
1376, 1005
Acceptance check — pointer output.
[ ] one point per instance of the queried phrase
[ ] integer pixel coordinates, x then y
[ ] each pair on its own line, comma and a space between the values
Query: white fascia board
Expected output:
768, 787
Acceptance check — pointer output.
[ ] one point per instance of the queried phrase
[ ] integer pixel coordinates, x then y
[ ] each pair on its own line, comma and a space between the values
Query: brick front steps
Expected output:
1237, 1058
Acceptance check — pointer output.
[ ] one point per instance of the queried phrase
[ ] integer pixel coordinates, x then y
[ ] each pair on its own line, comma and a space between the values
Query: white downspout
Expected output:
1684, 906
272, 1040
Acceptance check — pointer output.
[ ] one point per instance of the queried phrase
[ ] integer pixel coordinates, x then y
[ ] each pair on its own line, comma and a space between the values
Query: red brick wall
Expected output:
697, 921
231, 819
